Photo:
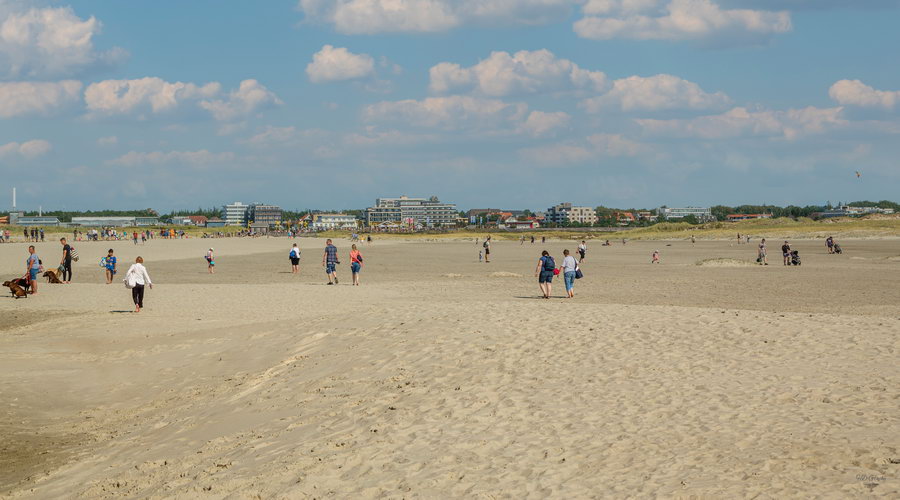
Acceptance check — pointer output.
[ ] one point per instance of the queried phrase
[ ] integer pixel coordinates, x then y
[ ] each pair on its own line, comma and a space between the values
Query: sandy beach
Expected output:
705, 376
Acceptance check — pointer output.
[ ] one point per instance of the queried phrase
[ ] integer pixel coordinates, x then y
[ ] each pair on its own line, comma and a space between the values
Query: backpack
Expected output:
295, 253
485, 244
549, 264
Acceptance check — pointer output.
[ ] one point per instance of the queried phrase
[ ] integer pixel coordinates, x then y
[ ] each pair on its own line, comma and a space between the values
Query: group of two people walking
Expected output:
546, 269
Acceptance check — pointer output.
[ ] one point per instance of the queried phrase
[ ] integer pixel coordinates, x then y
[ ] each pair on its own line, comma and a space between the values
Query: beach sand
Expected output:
706, 376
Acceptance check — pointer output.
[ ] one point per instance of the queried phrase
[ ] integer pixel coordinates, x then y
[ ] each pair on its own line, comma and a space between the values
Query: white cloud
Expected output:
249, 97
656, 93
523, 72
740, 122
193, 158
450, 112
28, 150
356, 17
334, 64
108, 141
22, 98
155, 96
857, 93
48, 42
593, 147
151, 94
677, 20
540, 123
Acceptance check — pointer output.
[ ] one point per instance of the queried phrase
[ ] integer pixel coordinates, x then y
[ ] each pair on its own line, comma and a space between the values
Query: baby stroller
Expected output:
795, 258
837, 248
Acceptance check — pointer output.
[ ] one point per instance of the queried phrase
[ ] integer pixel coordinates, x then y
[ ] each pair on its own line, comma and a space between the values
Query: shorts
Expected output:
787, 254
581, 252
295, 261
487, 251
329, 268
355, 267
570, 280
545, 277
33, 273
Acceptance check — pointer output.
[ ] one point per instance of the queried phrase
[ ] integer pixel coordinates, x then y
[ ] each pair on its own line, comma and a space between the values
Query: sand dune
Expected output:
435, 379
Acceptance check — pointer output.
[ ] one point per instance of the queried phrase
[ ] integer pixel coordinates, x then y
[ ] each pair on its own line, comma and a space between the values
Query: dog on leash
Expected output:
18, 291
51, 276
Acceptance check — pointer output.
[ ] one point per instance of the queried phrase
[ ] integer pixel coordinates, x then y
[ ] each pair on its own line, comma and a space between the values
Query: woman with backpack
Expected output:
545, 270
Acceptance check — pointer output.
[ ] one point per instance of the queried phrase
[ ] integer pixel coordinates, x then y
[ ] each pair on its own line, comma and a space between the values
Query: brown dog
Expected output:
51, 276
14, 288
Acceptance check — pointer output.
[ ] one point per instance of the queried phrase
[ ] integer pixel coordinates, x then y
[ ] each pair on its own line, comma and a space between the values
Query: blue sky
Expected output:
504, 103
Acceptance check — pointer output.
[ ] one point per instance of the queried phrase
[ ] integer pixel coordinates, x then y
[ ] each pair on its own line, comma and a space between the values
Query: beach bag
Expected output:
103, 262
359, 258
578, 273
74, 253
129, 280
485, 244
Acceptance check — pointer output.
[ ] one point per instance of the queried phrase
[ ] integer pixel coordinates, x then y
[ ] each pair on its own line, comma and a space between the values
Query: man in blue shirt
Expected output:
32, 268
330, 261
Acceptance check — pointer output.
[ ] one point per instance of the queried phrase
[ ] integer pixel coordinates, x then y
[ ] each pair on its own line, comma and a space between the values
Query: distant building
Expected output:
737, 217
848, 211
424, 212
215, 222
114, 221
702, 214
324, 222
36, 221
524, 223
235, 214
624, 217
261, 213
566, 213
646, 215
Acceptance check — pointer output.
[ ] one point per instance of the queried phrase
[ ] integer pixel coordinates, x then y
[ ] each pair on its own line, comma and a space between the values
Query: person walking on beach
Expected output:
42, 235
356, 263
137, 278
330, 262
829, 242
32, 268
210, 260
66, 262
134, 237
487, 250
582, 250
109, 262
295, 259
545, 272
786, 253
762, 259
654, 257
569, 267
693, 240
532, 239
739, 238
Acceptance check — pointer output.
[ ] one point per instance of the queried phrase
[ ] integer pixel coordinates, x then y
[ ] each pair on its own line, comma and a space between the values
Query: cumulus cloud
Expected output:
656, 93
156, 96
540, 123
23, 98
334, 64
28, 150
677, 20
452, 112
523, 72
247, 99
857, 93
192, 158
741, 122
357, 17
108, 141
150, 94
42, 42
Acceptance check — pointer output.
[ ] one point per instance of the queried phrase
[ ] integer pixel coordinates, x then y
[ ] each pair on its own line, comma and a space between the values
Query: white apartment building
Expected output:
235, 214
702, 214
566, 213
324, 222
424, 212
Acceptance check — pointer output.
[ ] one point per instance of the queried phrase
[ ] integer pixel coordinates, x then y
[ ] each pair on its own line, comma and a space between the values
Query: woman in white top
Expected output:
569, 266
136, 278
